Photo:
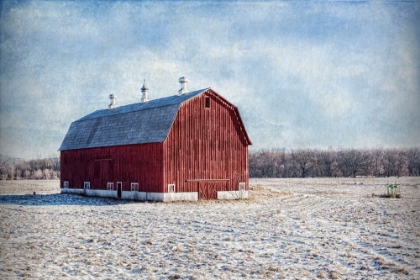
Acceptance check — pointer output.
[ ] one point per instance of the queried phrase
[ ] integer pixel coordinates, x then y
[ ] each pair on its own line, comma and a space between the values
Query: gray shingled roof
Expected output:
137, 123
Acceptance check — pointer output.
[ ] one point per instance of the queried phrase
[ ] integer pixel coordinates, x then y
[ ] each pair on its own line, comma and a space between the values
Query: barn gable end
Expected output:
198, 151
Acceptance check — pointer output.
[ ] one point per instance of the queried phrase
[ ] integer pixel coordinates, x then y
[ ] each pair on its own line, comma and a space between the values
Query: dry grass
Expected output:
30, 186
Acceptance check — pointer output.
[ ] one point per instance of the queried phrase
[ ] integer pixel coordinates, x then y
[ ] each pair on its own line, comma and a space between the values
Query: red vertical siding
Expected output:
206, 143
203, 144
127, 164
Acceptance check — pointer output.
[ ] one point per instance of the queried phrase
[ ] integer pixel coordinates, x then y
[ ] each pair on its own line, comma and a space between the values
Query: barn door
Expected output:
202, 191
207, 190
119, 189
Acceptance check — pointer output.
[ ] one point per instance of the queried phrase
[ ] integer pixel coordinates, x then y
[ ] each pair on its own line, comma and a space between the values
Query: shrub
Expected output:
391, 191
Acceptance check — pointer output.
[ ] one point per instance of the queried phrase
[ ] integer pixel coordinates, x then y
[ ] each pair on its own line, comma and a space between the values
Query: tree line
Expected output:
270, 164
37, 169
334, 163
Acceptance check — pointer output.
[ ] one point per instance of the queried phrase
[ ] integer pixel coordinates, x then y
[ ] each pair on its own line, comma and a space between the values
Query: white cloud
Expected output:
294, 69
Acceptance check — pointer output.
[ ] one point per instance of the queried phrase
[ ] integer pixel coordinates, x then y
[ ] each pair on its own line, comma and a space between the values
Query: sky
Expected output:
304, 74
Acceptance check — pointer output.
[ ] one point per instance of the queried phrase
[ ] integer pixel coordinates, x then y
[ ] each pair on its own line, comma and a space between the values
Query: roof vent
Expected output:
144, 92
183, 81
112, 97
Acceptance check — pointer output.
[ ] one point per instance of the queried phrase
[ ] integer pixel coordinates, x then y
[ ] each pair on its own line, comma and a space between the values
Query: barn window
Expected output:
86, 185
171, 188
134, 187
242, 186
66, 184
207, 102
110, 186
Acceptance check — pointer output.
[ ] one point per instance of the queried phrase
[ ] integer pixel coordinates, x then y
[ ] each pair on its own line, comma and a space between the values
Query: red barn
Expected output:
188, 146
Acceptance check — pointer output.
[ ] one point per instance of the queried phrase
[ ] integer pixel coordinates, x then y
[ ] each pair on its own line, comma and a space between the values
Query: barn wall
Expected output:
127, 164
206, 143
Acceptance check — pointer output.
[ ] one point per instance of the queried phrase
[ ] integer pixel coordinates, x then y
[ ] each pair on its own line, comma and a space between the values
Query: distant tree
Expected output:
47, 174
332, 163
278, 159
27, 174
11, 175
376, 158
304, 158
413, 158
268, 164
323, 163
401, 163
37, 174
3, 163
292, 165
335, 168
30, 169
353, 162
55, 164
396, 163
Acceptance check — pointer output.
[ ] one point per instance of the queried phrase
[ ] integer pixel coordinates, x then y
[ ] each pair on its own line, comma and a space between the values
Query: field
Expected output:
289, 228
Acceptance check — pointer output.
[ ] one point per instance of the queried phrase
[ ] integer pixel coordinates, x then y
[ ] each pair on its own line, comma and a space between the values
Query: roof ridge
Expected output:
125, 109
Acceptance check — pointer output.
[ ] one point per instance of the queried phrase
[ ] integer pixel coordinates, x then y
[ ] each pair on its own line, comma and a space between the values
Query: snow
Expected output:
289, 228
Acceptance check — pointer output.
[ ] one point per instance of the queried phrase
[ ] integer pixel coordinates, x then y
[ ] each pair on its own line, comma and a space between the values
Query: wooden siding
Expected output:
206, 143
205, 151
127, 164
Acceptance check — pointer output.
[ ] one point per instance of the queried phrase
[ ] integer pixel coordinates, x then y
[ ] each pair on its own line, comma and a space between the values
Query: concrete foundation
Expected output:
232, 195
152, 196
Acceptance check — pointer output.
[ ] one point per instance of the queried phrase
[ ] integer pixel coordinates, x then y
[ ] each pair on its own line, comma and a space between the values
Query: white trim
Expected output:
86, 185
134, 187
171, 188
110, 186
66, 184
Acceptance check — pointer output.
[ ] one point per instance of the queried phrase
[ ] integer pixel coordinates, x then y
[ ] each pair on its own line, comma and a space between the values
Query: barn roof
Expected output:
137, 123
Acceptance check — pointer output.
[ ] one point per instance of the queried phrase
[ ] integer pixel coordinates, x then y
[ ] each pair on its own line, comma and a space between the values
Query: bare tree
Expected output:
413, 157
332, 163
353, 162
323, 163
376, 167
3, 164
389, 163
401, 163
304, 159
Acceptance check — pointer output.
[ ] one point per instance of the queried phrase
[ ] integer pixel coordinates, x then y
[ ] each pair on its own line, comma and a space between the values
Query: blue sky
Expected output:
340, 74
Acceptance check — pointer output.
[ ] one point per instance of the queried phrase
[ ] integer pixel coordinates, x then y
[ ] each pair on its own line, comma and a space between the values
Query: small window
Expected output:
86, 185
207, 102
65, 184
134, 187
242, 186
171, 188
110, 186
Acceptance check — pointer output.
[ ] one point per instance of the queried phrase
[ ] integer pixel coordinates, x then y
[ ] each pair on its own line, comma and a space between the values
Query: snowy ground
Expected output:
289, 228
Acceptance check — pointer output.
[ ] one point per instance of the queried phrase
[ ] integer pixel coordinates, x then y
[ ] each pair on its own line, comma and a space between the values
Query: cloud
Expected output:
305, 74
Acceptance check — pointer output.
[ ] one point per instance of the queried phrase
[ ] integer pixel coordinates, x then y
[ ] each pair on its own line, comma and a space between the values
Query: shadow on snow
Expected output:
60, 199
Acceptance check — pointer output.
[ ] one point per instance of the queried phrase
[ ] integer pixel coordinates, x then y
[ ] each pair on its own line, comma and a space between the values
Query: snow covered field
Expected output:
289, 228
